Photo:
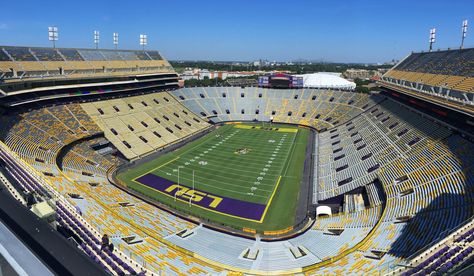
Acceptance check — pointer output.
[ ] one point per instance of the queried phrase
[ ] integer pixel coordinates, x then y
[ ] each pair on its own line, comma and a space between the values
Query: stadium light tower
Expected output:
96, 39
116, 40
464, 32
432, 38
143, 41
53, 35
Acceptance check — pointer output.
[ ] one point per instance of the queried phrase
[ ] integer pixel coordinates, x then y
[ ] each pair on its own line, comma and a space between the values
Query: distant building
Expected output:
204, 73
363, 73
262, 62
200, 74
357, 74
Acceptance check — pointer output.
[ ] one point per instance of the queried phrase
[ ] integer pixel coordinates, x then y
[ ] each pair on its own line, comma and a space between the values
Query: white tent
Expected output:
323, 210
326, 80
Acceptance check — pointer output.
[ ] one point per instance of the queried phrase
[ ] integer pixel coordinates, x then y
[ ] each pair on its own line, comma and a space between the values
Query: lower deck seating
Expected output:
140, 125
320, 109
95, 198
38, 135
425, 170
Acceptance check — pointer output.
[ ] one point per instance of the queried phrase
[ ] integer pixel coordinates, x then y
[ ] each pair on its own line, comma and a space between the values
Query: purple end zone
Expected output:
226, 205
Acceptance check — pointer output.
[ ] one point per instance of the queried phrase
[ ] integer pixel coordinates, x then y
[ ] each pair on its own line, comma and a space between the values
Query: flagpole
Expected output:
193, 191
178, 186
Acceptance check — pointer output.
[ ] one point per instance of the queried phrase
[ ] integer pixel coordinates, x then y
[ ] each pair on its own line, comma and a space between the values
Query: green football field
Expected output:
238, 162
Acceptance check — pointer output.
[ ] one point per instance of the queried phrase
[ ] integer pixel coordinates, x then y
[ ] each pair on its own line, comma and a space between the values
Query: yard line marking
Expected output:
227, 178
156, 168
217, 187
271, 198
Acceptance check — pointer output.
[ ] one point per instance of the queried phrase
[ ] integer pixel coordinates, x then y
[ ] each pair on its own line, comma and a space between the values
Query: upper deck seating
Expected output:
4, 56
449, 62
154, 55
33, 63
47, 54
20, 54
71, 55
441, 71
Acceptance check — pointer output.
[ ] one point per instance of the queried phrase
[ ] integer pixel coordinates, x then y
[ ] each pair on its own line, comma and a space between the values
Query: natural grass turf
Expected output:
231, 175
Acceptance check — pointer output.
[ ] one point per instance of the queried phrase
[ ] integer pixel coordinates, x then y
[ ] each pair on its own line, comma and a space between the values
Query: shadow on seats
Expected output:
7, 123
431, 223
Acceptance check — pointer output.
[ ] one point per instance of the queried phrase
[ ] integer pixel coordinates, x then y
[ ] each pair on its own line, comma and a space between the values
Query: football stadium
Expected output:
109, 167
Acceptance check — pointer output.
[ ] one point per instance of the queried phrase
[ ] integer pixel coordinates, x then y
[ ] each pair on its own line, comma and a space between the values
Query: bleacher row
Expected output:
350, 155
457, 62
38, 135
359, 219
460, 83
353, 203
82, 161
317, 108
22, 62
445, 77
30, 181
424, 168
454, 251
106, 208
143, 124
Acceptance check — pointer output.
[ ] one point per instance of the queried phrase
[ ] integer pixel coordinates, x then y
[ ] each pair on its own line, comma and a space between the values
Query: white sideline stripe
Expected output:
221, 156
210, 164
226, 184
232, 143
209, 167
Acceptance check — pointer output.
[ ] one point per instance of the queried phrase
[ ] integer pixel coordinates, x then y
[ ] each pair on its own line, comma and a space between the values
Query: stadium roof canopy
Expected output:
326, 80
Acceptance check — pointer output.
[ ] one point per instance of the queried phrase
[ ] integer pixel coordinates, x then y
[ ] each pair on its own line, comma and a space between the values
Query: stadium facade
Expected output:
396, 167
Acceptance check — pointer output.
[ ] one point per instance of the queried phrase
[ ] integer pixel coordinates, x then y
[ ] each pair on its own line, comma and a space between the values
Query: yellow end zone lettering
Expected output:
181, 189
193, 195
215, 202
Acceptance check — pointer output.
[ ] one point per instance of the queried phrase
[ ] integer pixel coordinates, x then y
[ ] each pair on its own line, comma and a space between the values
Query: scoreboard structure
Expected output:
280, 80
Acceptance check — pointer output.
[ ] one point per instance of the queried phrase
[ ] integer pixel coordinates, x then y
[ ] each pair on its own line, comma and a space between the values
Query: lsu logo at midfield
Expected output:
193, 195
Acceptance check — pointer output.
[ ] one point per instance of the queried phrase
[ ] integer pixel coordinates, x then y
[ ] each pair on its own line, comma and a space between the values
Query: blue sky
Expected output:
339, 31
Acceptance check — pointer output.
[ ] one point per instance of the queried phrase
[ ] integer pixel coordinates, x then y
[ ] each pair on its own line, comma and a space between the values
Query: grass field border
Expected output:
268, 203
284, 189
